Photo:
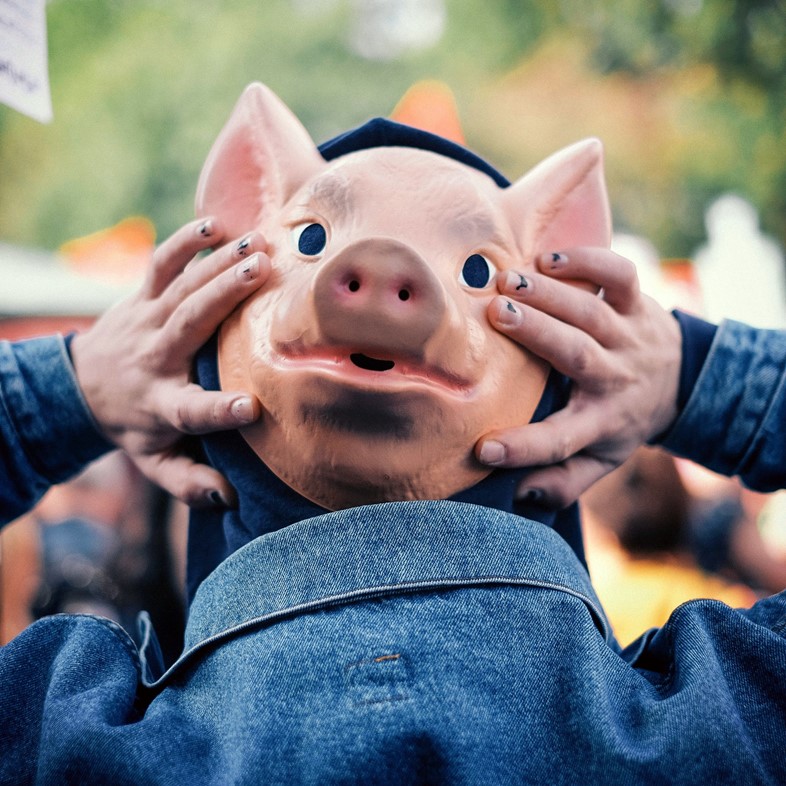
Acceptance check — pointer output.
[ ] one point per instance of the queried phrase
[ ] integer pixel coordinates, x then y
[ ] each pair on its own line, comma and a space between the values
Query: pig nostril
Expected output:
354, 286
403, 294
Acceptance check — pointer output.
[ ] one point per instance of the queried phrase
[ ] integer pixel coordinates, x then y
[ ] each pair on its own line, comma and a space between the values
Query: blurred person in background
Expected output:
726, 533
637, 525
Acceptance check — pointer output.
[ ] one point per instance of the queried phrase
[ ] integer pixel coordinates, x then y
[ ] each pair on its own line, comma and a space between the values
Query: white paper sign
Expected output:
24, 75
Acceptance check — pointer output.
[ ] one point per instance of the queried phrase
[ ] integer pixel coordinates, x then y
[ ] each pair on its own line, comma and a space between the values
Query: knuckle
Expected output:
178, 290
628, 276
593, 316
187, 322
620, 380
581, 358
181, 418
563, 447
151, 357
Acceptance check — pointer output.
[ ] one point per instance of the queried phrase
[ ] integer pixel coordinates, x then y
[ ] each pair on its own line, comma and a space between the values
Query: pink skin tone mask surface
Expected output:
370, 348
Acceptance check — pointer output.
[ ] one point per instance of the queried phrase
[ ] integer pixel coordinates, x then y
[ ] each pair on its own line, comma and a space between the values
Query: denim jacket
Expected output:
418, 642
47, 433
734, 421
426, 642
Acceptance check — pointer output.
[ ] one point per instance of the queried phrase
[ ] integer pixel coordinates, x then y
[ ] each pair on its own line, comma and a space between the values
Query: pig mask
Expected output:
370, 348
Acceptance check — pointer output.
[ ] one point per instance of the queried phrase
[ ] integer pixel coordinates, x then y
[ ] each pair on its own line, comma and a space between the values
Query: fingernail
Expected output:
555, 260
532, 495
508, 315
205, 229
515, 282
242, 246
217, 499
243, 410
492, 452
248, 269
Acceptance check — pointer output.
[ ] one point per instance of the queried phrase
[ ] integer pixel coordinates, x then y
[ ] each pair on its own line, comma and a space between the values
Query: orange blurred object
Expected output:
119, 254
430, 106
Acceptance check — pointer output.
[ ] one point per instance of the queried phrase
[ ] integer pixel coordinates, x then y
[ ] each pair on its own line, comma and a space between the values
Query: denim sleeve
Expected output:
734, 421
47, 433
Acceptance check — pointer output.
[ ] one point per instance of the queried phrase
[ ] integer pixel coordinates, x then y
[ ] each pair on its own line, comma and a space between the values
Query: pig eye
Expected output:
309, 239
476, 272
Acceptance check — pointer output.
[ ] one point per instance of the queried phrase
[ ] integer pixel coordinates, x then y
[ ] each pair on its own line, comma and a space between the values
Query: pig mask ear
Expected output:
262, 155
562, 202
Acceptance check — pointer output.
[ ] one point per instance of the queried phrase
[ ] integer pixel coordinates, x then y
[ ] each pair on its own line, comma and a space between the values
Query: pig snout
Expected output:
379, 296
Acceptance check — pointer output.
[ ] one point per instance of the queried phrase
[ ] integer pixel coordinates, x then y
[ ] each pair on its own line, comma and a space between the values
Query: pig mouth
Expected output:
371, 364
387, 370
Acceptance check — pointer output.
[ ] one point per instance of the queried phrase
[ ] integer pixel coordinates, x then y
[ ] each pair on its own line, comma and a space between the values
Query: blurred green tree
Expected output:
688, 96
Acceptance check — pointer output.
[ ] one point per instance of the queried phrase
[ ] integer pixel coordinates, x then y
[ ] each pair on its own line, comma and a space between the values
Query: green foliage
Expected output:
140, 90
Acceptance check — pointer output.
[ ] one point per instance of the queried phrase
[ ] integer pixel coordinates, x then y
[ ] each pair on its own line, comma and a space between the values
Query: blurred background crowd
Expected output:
688, 97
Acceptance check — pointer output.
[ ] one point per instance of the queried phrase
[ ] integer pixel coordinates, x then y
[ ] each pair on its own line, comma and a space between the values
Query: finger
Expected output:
561, 435
205, 270
171, 257
198, 485
570, 350
197, 317
577, 307
196, 411
559, 485
615, 274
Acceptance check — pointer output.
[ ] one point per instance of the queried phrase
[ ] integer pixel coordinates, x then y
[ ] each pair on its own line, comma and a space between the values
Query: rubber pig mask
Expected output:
370, 348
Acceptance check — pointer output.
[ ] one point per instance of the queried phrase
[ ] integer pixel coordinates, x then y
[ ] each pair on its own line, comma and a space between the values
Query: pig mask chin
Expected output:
370, 348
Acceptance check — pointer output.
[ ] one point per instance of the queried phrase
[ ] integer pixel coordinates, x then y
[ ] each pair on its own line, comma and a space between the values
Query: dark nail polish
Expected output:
216, 499
205, 229
532, 495
524, 283
242, 246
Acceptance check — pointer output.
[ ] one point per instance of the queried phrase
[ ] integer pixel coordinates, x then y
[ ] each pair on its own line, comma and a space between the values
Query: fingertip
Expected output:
491, 452
208, 489
244, 410
265, 266
552, 262
209, 228
224, 497
541, 495
534, 496
505, 314
199, 411
255, 268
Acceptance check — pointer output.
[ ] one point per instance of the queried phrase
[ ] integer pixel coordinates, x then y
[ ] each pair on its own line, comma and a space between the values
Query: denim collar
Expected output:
377, 551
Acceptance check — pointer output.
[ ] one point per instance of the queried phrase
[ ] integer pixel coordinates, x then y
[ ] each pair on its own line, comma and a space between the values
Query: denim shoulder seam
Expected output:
118, 632
366, 594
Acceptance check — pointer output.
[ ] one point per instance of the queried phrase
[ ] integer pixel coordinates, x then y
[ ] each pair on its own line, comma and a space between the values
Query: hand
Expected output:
622, 352
135, 364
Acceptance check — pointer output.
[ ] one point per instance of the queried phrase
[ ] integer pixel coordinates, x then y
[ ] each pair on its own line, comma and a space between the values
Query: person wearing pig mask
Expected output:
379, 608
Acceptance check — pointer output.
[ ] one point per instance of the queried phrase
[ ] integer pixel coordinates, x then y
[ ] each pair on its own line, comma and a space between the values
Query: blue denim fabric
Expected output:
735, 419
47, 432
415, 642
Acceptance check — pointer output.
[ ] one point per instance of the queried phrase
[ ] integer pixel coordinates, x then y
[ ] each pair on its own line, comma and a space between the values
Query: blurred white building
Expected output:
740, 270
